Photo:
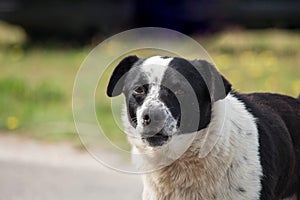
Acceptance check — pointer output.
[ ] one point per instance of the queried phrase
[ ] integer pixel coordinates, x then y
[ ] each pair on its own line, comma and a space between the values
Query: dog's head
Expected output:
167, 96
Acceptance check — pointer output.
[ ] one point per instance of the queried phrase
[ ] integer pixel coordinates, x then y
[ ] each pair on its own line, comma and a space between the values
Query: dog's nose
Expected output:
146, 120
153, 119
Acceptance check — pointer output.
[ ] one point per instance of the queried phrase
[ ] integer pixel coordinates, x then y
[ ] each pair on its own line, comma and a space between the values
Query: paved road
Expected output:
34, 171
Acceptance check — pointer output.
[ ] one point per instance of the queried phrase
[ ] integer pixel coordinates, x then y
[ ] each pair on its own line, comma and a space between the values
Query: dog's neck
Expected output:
187, 177
195, 170
203, 172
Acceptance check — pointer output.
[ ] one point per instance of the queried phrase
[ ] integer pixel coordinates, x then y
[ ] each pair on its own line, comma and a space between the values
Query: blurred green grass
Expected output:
36, 82
36, 87
264, 60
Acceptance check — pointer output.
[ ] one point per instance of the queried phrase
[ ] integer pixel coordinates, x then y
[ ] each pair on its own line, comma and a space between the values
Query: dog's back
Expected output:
278, 120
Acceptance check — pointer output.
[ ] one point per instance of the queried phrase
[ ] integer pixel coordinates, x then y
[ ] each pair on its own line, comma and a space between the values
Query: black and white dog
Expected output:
226, 146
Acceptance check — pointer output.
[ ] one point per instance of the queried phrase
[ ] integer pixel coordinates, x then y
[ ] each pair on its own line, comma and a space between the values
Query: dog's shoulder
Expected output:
278, 123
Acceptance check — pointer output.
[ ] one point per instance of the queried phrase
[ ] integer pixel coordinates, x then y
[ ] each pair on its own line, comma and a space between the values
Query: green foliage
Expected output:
262, 60
46, 93
18, 90
19, 102
13, 87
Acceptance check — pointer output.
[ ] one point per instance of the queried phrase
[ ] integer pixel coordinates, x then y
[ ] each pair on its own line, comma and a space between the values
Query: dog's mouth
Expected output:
157, 140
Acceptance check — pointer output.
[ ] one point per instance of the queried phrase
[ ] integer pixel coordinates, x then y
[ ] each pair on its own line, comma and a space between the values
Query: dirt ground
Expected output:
31, 170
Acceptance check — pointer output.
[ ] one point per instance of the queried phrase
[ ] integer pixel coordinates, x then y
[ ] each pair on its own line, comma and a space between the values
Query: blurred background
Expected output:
255, 44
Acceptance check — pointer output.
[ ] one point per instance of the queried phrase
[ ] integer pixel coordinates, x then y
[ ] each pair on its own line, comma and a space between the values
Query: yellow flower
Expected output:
12, 123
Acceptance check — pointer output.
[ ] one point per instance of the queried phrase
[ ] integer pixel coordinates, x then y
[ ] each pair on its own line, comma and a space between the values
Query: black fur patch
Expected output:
278, 122
116, 82
190, 77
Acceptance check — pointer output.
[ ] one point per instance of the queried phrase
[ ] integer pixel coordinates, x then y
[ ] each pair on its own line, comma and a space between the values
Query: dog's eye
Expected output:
139, 90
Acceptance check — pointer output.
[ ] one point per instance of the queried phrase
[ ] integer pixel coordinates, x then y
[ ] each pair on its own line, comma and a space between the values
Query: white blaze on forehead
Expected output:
155, 67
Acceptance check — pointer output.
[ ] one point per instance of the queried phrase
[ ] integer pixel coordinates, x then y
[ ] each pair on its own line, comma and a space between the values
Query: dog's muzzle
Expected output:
153, 123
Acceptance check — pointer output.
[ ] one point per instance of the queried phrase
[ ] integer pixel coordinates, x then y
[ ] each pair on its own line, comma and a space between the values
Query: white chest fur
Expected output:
230, 171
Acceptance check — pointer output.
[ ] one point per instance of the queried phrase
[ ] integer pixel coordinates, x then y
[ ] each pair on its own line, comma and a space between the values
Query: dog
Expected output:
203, 139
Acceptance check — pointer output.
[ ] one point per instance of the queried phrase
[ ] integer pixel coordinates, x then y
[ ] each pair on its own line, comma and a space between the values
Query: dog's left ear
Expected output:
116, 82
218, 86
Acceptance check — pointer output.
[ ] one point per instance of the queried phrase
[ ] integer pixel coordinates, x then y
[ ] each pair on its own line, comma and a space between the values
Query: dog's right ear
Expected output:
116, 82
218, 86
